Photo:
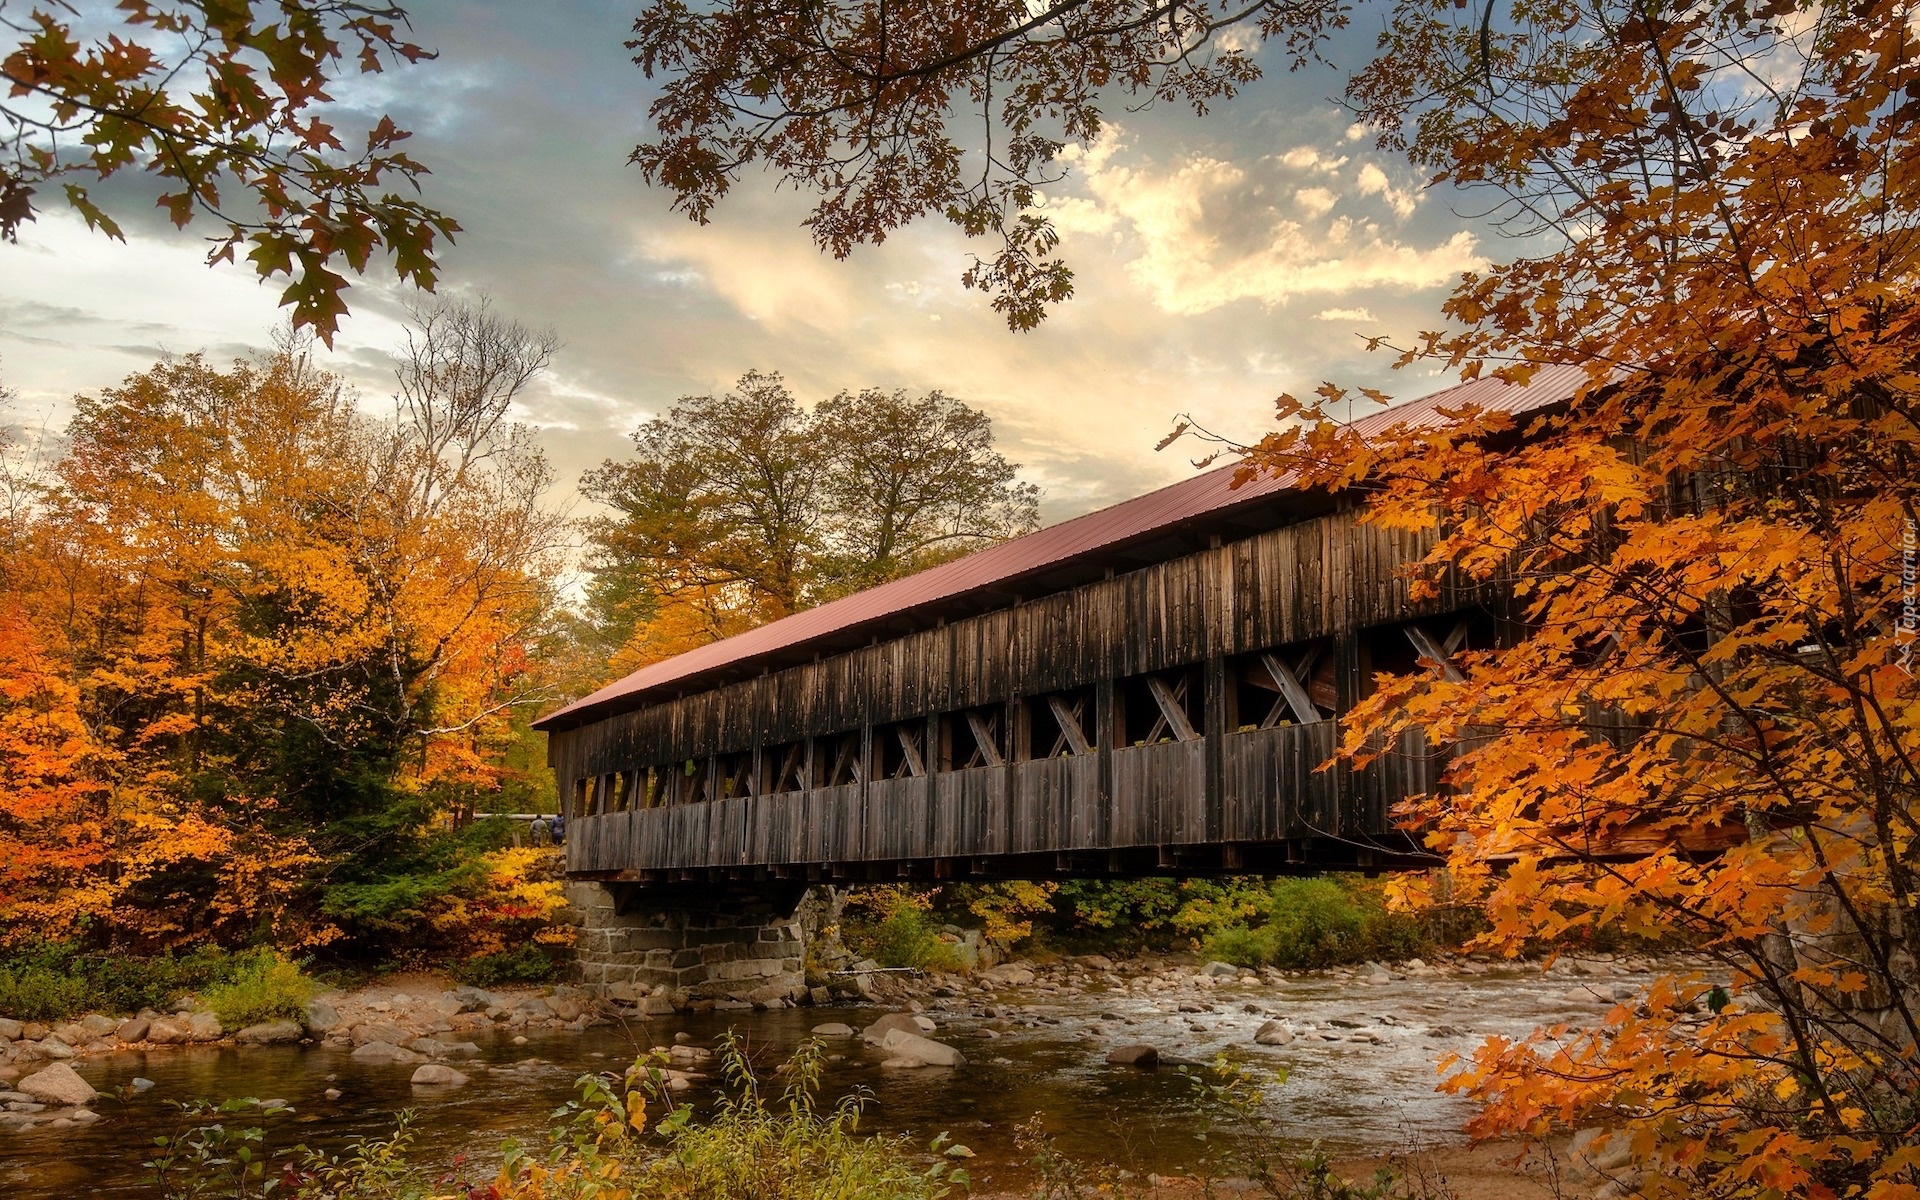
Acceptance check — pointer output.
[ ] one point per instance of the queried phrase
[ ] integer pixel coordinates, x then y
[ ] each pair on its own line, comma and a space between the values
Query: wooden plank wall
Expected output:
1328, 577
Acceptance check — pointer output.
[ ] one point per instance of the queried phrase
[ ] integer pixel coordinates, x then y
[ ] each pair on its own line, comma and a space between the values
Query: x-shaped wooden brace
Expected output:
912, 766
1067, 716
1437, 654
791, 777
1294, 697
846, 760
1173, 711
986, 741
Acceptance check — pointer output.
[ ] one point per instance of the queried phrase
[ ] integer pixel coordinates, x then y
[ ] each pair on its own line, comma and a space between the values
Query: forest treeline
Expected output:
269, 651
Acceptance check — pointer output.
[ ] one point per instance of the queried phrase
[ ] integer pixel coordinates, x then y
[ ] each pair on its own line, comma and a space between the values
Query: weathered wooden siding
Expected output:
1325, 578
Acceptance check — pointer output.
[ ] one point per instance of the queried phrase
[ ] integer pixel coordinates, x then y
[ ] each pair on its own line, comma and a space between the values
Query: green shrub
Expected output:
52, 980
905, 937
262, 986
524, 964
1315, 923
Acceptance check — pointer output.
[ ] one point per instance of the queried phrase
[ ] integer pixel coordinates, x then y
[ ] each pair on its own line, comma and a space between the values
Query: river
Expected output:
1359, 1075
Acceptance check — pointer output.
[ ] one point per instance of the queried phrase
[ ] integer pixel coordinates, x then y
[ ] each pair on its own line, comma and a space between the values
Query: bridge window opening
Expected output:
974, 737
1160, 707
1426, 645
1057, 725
899, 750
735, 775
786, 767
622, 797
577, 803
687, 783
645, 788
1288, 685
837, 760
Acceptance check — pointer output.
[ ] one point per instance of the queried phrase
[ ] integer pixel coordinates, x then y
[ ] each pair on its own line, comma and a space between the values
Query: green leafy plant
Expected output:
263, 986
523, 964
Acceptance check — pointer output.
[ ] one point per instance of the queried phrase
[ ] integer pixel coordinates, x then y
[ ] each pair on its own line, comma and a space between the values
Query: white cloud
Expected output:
1207, 232
1315, 201
1374, 182
1344, 314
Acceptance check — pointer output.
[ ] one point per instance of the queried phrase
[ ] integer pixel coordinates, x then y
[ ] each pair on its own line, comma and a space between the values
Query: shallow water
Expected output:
1048, 1059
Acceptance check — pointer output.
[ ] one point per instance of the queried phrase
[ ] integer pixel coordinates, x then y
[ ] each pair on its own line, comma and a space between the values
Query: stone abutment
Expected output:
707, 945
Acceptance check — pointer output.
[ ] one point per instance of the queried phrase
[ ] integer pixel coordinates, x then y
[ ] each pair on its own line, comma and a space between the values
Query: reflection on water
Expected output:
1048, 1059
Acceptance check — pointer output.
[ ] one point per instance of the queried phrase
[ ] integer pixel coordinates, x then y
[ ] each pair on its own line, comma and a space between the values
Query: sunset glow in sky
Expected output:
1220, 262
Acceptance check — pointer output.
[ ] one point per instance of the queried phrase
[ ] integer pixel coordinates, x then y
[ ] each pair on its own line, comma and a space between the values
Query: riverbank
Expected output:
1356, 1047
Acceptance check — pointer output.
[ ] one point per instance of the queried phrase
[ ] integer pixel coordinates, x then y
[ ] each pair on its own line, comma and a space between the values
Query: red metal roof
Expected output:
1208, 494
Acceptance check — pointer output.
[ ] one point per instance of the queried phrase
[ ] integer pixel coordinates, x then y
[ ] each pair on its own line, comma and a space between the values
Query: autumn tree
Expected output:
1704, 723
226, 105
744, 507
265, 639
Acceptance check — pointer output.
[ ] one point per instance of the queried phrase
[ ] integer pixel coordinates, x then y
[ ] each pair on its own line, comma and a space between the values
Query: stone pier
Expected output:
739, 945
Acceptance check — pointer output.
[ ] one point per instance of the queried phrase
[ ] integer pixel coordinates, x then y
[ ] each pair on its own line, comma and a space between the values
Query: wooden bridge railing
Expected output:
1264, 791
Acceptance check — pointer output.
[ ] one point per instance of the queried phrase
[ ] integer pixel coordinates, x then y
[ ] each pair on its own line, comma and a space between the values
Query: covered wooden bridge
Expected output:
1147, 689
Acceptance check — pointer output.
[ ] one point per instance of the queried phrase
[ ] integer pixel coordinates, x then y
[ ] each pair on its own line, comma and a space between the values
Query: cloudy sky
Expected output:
1219, 262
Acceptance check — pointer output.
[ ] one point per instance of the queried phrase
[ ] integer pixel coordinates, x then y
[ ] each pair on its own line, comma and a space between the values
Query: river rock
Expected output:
52, 1046
1220, 970
203, 1027
1139, 1055
133, 1029
1273, 1033
97, 1026
33, 1031
57, 1084
10, 1030
566, 1008
368, 1032
834, 1029
322, 1017
533, 1008
472, 999
877, 1032
435, 1075
166, 1031
1008, 975
139, 1084
270, 1033
386, 1052
910, 1049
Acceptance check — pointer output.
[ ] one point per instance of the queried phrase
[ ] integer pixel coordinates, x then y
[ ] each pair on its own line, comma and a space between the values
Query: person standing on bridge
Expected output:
540, 832
559, 829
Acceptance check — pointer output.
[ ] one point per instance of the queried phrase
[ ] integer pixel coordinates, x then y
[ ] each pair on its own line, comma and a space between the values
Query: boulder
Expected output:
53, 1047
1138, 1055
270, 1033
203, 1027
33, 1031
1220, 970
435, 1075
533, 1008
925, 1023
913, 1050
834, 1029
1599, 1153
381, 1031
386, 1052
1008, 975
877, 1032
165, 1031
133, 1029
10, 1030
322, 1017
57, 1084
1273, 1033
98, 1026
472, 999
